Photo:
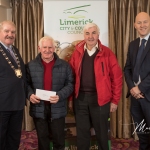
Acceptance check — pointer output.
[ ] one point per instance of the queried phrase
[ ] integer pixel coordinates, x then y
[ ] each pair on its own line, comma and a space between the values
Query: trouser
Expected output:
10, 129
140, 110
88, 113
45, 127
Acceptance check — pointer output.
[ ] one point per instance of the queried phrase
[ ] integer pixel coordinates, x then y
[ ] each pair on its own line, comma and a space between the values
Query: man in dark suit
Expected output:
12, 88
137, 76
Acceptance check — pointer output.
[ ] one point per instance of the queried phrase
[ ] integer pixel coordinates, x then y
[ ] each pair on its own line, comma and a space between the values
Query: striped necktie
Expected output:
12, 54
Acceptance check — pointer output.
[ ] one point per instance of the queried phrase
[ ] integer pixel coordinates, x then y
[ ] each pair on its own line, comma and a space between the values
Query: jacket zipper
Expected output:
79, 68
103, 68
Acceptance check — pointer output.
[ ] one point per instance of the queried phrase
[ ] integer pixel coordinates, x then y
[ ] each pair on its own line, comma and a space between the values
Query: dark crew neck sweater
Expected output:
87, 80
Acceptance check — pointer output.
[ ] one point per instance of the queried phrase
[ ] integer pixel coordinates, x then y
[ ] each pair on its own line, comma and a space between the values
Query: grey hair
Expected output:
90, 25
46, 38
7, 22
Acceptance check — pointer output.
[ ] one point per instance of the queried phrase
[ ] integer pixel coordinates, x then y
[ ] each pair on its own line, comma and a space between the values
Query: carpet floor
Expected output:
29, 142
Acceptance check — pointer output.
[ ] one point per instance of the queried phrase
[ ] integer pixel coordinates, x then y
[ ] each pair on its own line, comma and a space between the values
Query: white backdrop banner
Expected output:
64, 20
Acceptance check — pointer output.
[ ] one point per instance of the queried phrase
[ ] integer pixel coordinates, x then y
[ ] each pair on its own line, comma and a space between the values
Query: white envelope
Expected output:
44, 94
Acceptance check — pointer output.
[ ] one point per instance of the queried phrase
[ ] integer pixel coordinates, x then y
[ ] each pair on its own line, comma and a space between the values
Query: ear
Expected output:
39, 49
135, 25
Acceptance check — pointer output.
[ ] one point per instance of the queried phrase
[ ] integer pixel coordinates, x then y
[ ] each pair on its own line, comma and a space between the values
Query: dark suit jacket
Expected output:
12, 88
144, 86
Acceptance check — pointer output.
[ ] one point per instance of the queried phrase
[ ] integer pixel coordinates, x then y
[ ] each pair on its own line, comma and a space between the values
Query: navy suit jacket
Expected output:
12, 88
144, 86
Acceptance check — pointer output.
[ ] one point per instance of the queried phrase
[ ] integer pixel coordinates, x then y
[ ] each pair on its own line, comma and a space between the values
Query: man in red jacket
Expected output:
97, 89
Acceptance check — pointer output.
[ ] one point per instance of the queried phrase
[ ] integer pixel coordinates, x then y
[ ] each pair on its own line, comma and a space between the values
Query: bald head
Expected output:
142, 24
141, 15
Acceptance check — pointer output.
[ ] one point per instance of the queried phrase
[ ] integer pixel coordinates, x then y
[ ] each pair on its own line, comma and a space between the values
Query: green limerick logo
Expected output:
76, 12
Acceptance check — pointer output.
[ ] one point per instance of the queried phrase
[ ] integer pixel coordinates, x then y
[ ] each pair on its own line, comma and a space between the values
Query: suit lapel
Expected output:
147, 48
8, 55
136, 47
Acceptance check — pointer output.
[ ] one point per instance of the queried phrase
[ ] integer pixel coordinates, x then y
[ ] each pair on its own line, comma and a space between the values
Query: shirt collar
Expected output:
10, 47
94, 48
92, 51
146, 37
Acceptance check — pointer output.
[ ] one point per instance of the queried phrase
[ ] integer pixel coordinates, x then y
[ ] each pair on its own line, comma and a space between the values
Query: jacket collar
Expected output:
136, 47
57, 59
145, 50
80, 47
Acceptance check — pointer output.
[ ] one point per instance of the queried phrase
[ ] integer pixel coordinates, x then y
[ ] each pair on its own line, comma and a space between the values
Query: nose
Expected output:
90, 35
10, 34
142, 24
47, 49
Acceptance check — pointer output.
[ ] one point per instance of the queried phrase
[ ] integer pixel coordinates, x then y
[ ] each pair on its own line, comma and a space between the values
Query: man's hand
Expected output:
54, 99
135, 92
34, 99
70, 105
113, 107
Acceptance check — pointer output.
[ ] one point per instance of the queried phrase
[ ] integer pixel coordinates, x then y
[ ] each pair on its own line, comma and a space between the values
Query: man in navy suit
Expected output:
137, 76
12, 88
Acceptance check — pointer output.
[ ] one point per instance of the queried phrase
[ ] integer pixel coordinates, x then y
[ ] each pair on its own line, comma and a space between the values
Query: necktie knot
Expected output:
9, 50
143, 42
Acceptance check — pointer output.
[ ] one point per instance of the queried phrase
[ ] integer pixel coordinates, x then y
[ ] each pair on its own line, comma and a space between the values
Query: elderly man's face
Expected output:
91, 37
47, 49
7, 34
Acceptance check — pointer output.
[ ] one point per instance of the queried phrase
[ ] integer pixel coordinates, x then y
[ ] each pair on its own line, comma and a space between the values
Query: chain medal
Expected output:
17, 71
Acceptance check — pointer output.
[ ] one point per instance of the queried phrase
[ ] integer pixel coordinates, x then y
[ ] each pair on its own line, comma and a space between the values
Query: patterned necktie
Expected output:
136, 72
12, 54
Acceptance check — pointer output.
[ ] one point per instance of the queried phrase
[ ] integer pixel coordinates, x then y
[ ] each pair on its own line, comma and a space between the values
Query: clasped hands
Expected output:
135, 92
53, 99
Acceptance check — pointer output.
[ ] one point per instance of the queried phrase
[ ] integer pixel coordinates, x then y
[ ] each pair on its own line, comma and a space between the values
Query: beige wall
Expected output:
9, 14
5, 13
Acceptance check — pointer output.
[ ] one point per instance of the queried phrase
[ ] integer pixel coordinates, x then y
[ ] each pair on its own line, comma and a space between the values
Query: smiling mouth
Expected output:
47, 53
10, 39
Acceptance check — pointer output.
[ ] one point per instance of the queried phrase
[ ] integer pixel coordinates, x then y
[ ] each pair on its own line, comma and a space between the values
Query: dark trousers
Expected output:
88, 113
46, 127
10, 129
140, 110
